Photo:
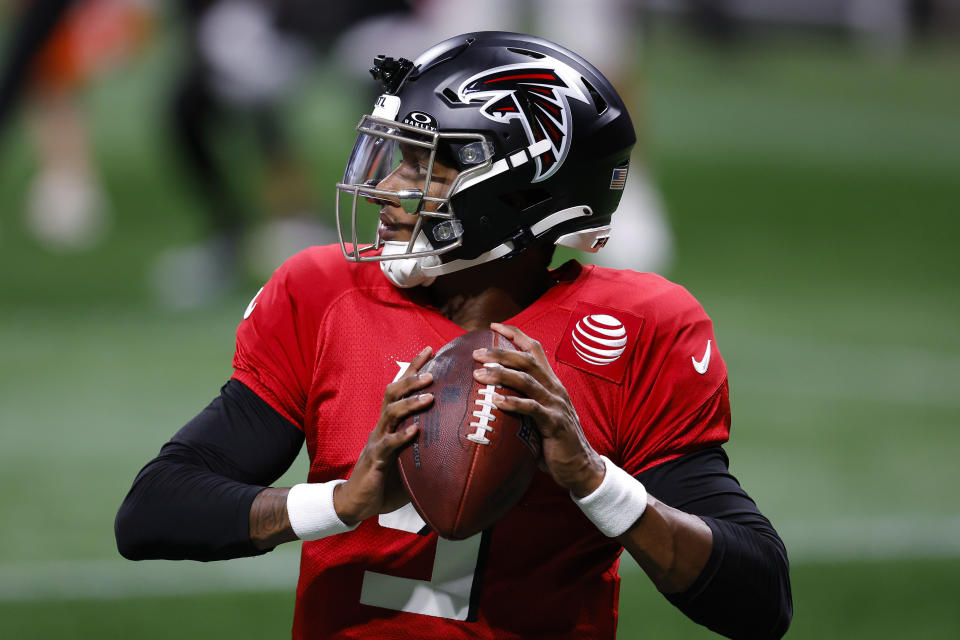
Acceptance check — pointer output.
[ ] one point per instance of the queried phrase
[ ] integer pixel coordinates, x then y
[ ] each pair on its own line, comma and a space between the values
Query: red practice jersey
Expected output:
637, 355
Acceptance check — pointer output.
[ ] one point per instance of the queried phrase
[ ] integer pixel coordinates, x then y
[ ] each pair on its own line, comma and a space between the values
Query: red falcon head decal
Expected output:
537, 95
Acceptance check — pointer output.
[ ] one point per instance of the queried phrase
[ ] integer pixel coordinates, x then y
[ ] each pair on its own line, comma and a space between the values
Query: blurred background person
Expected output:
243, 65
65, 46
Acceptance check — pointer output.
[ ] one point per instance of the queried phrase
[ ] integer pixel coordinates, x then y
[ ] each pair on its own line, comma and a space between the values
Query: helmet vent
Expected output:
598, 100
526, 52
446, 57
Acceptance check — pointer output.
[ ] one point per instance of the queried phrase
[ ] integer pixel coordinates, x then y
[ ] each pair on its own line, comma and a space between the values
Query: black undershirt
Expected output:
193, 502
744, 589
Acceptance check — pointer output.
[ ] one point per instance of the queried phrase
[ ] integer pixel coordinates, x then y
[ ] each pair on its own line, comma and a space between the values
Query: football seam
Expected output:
466, 486
413, 500
469, 478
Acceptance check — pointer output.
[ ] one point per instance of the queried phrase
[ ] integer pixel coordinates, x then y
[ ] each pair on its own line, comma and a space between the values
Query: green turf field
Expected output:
814, 195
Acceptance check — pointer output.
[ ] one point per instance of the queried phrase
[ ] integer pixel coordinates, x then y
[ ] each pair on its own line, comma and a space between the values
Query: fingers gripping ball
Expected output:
471, 462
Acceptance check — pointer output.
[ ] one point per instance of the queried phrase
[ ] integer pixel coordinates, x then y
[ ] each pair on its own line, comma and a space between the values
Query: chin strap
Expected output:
408, 272
411, 272
558, 217
456, 265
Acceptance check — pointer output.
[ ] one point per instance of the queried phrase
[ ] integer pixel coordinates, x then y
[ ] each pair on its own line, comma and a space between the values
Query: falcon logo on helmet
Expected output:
536, 94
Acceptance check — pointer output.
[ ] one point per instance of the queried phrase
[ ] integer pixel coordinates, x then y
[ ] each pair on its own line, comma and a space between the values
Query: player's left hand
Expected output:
374, 485
567, 456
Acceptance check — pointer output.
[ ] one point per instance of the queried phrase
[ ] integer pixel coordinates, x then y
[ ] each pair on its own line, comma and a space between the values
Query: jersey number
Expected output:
447, 594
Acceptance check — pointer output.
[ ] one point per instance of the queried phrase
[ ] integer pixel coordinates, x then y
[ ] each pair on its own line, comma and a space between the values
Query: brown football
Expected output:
471, 462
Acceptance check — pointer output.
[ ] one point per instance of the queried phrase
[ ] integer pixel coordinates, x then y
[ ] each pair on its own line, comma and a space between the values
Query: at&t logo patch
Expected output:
599, 340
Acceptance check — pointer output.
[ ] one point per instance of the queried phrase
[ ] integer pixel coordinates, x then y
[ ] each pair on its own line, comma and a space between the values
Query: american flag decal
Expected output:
619, 179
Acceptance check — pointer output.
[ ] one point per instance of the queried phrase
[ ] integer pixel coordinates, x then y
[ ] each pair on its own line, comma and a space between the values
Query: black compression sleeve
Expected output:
193, 500
744, 589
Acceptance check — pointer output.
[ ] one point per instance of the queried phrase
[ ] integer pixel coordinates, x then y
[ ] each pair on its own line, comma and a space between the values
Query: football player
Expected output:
480, 157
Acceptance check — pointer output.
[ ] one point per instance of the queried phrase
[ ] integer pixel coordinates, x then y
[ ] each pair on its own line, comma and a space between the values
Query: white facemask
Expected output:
408, 272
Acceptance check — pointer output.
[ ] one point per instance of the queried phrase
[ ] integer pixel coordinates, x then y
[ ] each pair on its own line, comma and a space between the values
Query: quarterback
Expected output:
478, 159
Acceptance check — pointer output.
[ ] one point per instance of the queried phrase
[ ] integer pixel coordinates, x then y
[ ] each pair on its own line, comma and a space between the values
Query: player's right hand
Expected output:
374, 485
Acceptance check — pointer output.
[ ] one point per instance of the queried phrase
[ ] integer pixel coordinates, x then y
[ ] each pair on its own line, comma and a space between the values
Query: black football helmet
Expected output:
541, 141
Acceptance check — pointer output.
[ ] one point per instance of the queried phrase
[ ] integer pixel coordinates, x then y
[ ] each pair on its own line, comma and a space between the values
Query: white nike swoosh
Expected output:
701, 366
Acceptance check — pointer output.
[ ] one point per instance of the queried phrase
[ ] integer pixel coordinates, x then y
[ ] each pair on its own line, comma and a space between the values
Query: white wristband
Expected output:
311, 512
617, 503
